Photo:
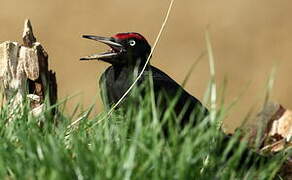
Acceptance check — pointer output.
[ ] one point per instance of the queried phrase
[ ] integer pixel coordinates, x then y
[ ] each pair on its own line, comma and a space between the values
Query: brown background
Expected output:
249, 38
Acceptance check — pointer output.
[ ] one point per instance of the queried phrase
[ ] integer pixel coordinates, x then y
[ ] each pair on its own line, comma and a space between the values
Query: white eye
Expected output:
132, 42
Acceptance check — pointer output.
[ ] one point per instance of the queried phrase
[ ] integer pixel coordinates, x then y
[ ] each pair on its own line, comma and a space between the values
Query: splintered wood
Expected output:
277, 134
24, 73
271, 132
273, 128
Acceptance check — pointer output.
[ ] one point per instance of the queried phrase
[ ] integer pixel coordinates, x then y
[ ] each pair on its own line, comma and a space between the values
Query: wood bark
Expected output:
271, 132
24, 73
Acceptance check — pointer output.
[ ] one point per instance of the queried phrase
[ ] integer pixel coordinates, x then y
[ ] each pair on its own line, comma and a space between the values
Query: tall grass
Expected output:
136, 141
129, 144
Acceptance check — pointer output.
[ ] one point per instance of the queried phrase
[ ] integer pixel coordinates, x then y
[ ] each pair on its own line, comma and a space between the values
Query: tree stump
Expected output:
272, 133
24, 73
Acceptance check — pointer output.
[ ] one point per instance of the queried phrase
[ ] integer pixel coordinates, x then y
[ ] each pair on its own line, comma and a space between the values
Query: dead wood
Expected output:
24, 73
271, 133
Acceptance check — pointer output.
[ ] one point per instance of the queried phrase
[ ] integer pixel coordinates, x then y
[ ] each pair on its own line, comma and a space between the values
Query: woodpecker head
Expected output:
125, 49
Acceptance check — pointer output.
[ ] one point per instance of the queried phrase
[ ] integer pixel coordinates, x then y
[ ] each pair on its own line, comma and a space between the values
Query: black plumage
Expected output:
128, 55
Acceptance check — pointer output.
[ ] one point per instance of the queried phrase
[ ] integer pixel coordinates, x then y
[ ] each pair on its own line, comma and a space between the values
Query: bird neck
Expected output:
129, 70
131, 63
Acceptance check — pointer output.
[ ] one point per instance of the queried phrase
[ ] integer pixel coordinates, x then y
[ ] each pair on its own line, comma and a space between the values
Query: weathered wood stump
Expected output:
272, 128
271, 132
24, 73
277, 133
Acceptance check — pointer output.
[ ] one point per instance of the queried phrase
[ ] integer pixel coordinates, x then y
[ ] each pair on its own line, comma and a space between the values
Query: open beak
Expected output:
115, 50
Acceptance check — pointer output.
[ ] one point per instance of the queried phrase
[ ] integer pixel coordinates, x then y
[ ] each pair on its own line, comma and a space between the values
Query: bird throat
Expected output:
128, 71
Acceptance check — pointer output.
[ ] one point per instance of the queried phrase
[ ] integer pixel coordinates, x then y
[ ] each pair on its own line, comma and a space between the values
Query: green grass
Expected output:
130, 144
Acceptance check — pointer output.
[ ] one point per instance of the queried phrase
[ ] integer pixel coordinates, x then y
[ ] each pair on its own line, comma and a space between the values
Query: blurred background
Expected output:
249, 38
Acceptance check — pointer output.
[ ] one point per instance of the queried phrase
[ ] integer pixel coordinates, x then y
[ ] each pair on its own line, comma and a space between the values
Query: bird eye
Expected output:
132, 42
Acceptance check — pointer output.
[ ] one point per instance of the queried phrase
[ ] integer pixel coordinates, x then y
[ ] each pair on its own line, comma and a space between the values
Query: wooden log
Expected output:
24, 73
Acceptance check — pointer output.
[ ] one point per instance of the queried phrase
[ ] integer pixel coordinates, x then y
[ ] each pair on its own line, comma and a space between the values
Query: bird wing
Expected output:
162, 81
168, 90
